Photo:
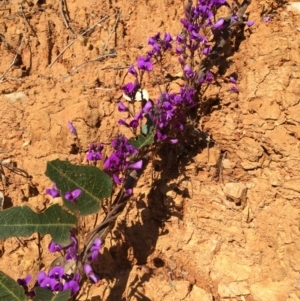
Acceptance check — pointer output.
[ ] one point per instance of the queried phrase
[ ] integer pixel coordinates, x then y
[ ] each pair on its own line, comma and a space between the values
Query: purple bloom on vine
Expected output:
71, 250
72, 128
179, 50
71, 285
56, 272
147, 107
53, 191
180, 39
24, 283
90, 273
207, 50
48, 283
189, 73
160, 136
94, 153
53, 247
131, 70
209, 77
166, 43
233, 89
219, 24
234, 18
250, 23
136, 166
122, 107
267, 19
73, 195
232, 80
144, 63
173, 141
95, 249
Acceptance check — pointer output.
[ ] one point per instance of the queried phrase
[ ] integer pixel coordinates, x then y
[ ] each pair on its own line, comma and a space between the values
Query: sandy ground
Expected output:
221, 225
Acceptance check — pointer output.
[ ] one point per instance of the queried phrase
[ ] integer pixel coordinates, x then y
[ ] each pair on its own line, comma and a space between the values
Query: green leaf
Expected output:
43, 294
10, 290
148, 127
22, 221
141, 141
94, 183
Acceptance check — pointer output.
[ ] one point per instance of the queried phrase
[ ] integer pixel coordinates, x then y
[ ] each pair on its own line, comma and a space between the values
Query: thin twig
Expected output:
86, 63
72, 42
64, 18
39, 250
115, 67
14, 60
26, 23
111, 33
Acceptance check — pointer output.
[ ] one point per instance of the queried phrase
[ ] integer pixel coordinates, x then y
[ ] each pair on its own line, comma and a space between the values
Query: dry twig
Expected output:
14, 60
111, 33
72, 42
61, 3
100, 58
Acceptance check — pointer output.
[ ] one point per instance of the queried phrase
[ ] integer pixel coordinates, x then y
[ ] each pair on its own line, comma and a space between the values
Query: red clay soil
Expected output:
223, 227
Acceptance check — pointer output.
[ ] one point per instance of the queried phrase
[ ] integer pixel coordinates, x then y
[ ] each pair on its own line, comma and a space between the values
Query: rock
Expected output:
293, 184
235, 190
295, 7
233, 289
16, 96
198, 293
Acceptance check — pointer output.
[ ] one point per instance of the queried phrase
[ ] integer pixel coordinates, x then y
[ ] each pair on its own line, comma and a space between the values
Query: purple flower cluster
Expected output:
53, 191
70, 251
57, 280
169, 112
119, 161
24, 283
70, 196
160, 45
94, 152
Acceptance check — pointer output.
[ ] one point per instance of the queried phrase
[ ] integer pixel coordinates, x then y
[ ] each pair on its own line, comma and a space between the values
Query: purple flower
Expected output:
48, 283
56, 273
95, 249
116, 179
189, 73
173, 141
90, 273
234, 18
144, 63
233, 89
71, 250
23, 282
130, 89
209, 77
94, 153
131, 70
250, 23
71, 285
267, 19
72, 128
147, 107
53, 191
219, 24
136, 165
53, 247
232, 80
207, 50
73, 195
122, 107
160, 136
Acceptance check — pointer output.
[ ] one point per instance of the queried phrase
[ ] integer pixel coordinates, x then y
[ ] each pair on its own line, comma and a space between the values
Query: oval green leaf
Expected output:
95, 184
